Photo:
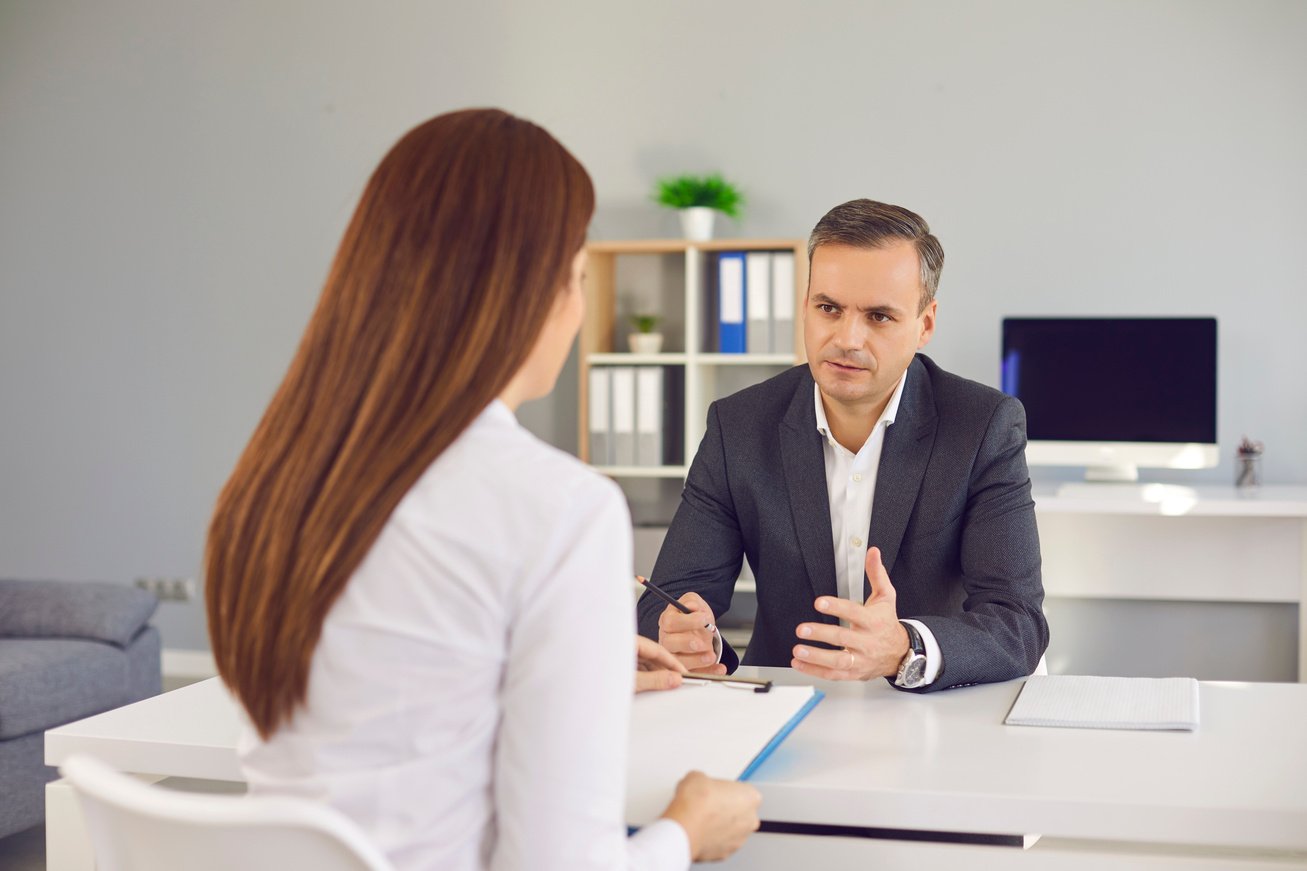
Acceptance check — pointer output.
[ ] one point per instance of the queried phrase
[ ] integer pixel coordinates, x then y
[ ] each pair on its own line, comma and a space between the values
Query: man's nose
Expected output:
851, 333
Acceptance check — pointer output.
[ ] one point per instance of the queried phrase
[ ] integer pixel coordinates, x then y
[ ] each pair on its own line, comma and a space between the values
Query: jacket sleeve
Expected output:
703, 550
1001, 632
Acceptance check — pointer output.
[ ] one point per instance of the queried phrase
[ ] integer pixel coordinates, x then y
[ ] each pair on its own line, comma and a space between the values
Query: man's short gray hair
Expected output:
869, 224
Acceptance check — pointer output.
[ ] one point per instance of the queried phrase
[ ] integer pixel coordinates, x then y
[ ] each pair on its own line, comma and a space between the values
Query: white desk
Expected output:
1201, 544
189, 732
871, 756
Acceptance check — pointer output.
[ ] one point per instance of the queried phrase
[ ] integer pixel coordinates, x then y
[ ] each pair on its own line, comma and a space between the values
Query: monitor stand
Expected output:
1115, 474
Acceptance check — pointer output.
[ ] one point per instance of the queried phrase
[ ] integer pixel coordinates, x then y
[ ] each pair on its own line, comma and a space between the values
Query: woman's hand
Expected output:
656, 668
717, 815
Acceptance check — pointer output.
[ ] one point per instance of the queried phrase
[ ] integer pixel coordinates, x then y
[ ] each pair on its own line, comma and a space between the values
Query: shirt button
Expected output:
857, 477
856, 542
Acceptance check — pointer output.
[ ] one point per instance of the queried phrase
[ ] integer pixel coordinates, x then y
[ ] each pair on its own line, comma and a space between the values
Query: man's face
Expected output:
861, 327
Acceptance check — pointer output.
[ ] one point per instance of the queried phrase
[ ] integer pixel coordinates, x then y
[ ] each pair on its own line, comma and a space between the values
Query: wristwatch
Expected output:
912, 670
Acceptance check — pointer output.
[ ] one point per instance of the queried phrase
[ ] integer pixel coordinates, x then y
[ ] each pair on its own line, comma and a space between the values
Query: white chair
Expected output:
137, 827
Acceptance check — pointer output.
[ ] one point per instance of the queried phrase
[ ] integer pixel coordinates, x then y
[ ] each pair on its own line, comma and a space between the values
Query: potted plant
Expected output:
697, 198
644, 340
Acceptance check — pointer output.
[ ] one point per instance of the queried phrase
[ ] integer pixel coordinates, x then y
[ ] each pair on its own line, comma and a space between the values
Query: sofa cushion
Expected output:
46, 682
73, 609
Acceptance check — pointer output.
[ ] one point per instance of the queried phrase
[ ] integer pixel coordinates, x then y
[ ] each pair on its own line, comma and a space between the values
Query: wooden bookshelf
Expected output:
599, 343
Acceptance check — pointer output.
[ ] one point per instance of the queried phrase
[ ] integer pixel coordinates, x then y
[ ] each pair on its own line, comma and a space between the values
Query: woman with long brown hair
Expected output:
401, 581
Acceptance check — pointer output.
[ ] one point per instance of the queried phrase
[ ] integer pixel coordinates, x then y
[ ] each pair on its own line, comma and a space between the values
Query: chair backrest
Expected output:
137, 827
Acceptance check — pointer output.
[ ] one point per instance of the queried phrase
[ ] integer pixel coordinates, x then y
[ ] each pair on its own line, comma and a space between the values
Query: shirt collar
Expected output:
498, 412
886, 417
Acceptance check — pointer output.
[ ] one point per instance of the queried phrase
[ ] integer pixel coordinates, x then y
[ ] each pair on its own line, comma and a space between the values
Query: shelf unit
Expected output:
600, 329
708, 375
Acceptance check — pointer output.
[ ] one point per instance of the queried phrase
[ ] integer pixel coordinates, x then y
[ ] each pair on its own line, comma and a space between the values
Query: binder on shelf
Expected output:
757, 285
731, 331
673, 416
600, 420
723, 731
623, 410
782, 289
649, 416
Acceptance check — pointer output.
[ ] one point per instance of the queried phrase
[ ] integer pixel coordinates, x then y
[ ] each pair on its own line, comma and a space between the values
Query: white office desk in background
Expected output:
1171, 543
1232, 795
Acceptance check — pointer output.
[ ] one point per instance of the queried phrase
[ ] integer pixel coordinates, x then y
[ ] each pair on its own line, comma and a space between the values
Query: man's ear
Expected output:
927, 324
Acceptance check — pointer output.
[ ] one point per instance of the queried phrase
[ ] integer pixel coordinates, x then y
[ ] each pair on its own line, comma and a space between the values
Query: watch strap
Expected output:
916, 653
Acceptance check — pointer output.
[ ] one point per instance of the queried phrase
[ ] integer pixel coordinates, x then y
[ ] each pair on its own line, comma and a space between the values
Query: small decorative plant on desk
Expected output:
698, 198
644, 340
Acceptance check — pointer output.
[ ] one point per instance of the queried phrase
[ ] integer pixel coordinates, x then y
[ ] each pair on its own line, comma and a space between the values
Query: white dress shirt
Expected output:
469, 698
851, 487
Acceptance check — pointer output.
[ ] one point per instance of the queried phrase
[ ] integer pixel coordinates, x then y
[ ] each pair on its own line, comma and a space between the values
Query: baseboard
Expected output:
188, 664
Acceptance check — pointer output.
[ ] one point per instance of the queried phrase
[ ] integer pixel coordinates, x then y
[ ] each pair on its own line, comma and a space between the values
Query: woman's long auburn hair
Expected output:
451, 264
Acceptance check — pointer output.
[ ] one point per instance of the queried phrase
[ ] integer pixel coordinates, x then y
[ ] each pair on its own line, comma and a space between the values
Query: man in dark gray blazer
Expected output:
869, 463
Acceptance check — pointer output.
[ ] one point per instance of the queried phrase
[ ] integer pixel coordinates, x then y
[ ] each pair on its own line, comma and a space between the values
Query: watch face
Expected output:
913, 672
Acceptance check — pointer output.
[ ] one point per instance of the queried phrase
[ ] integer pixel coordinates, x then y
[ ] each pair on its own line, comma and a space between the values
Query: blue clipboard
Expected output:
817, 696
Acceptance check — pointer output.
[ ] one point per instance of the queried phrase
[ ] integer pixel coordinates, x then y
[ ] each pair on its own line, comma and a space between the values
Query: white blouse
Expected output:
469, 698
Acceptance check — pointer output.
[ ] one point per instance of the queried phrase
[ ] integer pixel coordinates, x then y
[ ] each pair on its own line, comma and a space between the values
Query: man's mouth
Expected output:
844, 367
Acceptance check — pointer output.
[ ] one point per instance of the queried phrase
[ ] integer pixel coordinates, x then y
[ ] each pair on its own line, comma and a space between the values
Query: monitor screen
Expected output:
1113, 379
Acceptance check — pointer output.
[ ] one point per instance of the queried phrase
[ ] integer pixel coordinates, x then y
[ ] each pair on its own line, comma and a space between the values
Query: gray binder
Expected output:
782, 309
649, 416
623, 408
757, 290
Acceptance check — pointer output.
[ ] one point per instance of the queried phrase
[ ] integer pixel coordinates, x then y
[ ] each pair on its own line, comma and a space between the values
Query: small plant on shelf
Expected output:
645, 323
644, 340
690, 191
698, 198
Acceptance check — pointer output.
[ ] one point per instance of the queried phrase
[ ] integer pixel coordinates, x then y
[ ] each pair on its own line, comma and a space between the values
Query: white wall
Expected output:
174, 178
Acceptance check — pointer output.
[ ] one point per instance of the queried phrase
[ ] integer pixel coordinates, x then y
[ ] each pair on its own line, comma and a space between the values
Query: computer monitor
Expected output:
1114, 394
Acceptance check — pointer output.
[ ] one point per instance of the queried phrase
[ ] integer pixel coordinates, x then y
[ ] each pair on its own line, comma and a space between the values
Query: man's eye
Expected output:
880, 317
827, 308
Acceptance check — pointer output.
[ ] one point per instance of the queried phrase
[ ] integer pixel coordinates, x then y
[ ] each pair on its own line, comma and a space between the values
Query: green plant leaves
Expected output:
686, 191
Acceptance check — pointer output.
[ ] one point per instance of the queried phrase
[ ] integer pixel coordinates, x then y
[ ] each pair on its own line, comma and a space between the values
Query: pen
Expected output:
666, 597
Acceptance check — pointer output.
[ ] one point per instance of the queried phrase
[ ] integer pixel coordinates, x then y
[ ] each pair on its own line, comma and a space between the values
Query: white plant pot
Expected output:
696, 223
645, 343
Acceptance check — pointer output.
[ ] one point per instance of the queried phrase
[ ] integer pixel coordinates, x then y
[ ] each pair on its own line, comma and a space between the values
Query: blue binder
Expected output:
732, 326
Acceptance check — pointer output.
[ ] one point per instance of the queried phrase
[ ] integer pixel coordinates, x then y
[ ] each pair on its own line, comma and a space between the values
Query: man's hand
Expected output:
874, 642
655, 667
690, 636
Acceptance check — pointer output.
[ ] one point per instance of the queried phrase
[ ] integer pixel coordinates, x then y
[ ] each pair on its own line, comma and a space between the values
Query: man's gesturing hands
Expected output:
874, 642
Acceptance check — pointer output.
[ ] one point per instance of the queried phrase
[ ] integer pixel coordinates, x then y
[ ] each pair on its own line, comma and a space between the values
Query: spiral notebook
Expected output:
718, 729
1089, 702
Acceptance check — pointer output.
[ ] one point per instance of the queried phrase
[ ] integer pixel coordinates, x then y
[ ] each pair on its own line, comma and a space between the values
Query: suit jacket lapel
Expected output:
903, 460
805, 476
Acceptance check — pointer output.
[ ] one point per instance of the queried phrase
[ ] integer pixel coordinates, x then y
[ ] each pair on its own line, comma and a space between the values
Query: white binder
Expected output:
1092, 702
782, 288
757, 285
724, 732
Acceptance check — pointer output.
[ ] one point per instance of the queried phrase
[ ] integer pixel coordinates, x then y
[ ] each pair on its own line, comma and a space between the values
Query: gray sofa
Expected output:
67, 650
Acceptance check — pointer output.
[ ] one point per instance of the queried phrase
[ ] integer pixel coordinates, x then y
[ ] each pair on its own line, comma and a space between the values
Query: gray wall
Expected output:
174, 178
